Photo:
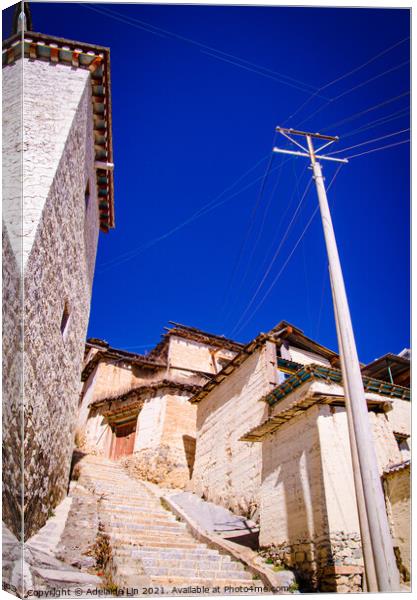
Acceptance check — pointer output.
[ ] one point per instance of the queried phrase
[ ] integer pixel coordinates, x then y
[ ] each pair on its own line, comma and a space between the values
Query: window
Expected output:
403, 445
87, 196
65, 321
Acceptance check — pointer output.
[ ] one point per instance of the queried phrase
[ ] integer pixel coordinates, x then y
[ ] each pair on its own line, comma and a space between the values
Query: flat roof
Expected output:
398, 365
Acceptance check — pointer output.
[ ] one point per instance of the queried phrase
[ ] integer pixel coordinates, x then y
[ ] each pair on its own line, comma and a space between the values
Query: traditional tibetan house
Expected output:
137, 406
282, 453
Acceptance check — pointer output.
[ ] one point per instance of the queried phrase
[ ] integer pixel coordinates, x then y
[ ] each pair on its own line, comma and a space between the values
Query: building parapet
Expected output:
196, 335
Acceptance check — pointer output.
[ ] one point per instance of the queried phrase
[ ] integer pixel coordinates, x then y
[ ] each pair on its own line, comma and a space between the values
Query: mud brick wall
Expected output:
165, 439
308, 517
226, 470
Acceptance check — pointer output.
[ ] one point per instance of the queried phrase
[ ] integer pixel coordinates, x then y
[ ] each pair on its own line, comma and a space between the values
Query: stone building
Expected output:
137, 406
57, 92
282, 454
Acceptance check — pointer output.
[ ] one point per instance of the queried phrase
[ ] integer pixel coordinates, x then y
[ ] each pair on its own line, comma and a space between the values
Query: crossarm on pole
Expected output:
297, 153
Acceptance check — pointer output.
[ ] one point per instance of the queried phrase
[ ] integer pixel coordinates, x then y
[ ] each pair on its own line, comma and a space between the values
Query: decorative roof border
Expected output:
120, 356
329, 375
37, 46
136, 393
270, 425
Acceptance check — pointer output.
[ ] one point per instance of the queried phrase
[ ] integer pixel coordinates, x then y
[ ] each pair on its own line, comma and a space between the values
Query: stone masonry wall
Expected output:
12, 407
12, 356
12, 176
226, 470
60, 246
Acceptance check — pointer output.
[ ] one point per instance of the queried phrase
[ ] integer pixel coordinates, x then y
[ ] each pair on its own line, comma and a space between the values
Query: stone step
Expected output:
149, 544
198, 581
154, 543
190, 574
128, 500
127, 516
199, 551
132, 509
144, 532
124, 526
197, 565
140, 518
120, 519
198, 554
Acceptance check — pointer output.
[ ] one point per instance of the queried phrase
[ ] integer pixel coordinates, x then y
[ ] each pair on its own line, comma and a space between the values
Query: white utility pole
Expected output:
375, 520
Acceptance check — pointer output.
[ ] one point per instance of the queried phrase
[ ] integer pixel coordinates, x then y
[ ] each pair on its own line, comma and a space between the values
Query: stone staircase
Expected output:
150, 546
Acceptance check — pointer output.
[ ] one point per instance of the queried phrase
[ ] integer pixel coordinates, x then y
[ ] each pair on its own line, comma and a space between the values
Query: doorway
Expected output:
123, 439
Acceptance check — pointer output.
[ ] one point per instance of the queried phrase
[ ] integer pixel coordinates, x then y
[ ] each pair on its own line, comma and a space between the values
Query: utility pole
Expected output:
375, 532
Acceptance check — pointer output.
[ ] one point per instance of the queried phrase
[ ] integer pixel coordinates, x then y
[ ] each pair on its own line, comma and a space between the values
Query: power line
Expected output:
297, 181
383, 137
230, 312
138, 23
351, 72
352, 89
391, 70
274, 258
322, 299
206, 208
250, 224
236, 331
366, 110
287, 260
378, 149
380, 121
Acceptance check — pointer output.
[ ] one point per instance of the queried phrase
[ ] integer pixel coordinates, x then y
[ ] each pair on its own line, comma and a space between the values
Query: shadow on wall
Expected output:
301, 540
189, 449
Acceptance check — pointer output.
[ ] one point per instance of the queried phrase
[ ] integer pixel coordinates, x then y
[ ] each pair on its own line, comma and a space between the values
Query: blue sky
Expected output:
193, 126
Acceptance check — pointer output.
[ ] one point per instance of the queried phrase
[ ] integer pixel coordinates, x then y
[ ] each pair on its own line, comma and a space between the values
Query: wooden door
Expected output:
124, 439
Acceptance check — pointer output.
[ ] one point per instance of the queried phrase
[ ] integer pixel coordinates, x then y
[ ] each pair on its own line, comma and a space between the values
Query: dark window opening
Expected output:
87, 196
65, 320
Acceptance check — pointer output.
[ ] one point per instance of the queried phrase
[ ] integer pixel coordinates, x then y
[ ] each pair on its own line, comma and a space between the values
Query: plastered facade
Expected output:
308, 517
165, 436
227, 471
60, 232
165, 440
185, 356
